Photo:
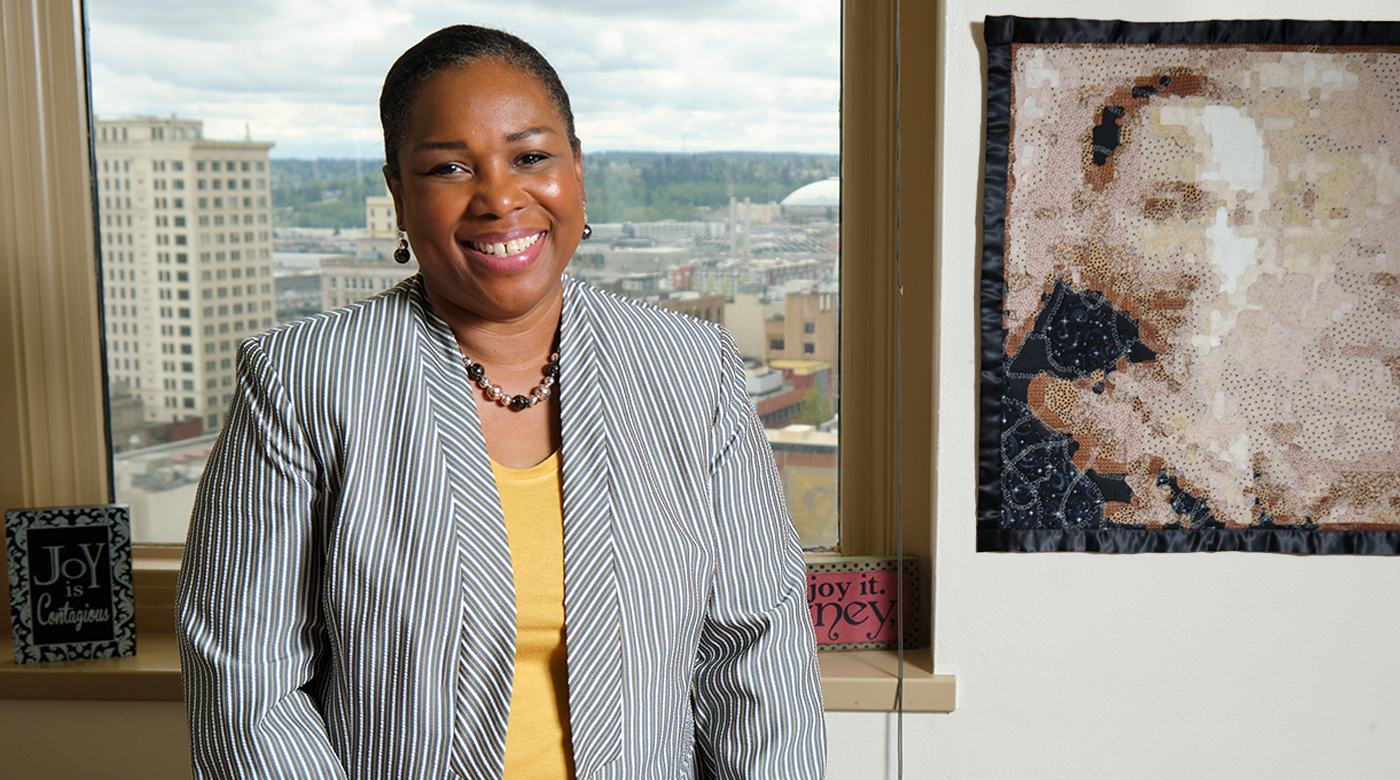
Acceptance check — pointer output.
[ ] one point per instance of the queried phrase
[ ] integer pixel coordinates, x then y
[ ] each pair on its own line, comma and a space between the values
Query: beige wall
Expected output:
1098, 667
68, 740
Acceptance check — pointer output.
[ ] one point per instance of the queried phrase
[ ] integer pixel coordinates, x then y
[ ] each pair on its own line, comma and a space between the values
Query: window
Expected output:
878, 228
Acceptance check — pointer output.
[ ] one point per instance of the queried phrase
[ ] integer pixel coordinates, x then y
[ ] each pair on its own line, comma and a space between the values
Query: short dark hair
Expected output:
460, 46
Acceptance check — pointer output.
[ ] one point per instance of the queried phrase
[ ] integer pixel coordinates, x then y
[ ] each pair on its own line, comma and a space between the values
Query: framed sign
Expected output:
855, 601
70, 582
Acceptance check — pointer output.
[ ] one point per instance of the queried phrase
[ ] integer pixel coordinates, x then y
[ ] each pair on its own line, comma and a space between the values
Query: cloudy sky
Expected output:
693, 75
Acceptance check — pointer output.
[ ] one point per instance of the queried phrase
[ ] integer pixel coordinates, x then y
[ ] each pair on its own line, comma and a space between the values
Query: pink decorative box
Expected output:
852, 601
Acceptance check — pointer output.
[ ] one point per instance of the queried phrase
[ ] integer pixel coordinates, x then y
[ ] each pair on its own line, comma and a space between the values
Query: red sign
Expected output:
853, 602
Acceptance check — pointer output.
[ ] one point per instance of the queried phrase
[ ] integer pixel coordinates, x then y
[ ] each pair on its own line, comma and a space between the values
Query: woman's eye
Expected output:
533, 158
447, 169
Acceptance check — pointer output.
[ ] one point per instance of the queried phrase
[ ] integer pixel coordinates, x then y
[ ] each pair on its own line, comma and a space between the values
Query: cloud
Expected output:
725, 74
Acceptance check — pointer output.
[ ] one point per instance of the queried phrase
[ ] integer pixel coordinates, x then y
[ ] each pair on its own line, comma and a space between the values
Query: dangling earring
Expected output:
401, 254
587, 228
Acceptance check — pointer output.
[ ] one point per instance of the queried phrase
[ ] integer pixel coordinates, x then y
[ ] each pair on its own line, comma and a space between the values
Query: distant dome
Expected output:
819, 194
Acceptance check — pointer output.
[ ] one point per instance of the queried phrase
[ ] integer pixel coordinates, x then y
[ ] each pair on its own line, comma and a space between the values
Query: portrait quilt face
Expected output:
1191, 287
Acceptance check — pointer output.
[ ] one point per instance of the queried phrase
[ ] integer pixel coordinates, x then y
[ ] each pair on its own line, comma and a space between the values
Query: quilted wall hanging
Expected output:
1191, 287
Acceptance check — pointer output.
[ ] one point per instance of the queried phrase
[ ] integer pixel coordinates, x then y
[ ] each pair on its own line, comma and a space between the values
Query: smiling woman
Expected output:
488, 185
607, 578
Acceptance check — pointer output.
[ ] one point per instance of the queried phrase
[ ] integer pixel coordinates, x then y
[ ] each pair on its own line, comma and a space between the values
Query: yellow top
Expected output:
538, 743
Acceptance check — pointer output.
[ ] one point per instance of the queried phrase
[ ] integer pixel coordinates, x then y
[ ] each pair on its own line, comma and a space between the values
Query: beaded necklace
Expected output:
516, 403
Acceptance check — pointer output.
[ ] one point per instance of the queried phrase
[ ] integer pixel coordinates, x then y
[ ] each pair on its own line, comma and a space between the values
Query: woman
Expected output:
397, 569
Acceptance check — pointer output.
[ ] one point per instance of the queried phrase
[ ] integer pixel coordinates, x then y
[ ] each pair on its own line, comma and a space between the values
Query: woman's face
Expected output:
489, 191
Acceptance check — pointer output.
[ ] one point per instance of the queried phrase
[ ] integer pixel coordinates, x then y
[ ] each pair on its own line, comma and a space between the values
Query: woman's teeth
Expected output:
506, 249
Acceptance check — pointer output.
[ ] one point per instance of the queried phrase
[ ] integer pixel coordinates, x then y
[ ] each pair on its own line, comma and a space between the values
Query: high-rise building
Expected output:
186, 242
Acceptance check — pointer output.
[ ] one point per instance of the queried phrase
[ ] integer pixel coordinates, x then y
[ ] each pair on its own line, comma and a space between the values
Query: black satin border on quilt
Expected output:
1005, 30
1141, 540
992, 285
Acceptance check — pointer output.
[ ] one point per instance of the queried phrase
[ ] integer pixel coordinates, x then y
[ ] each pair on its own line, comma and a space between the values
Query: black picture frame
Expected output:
70, 582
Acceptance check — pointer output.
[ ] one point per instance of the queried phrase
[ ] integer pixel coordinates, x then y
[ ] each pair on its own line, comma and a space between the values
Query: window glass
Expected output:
710, 132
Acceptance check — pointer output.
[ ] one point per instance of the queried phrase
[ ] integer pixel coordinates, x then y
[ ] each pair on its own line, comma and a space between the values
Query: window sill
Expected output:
854, 681
861, 681
153, 674
866, 681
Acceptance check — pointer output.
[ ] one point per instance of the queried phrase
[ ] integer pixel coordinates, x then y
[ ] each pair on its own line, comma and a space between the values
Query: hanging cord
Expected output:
898, 413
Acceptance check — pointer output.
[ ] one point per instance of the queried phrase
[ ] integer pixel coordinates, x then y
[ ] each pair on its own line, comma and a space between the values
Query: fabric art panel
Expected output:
1191, 287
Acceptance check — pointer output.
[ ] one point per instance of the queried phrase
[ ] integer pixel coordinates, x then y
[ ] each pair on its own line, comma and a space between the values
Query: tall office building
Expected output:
186, 240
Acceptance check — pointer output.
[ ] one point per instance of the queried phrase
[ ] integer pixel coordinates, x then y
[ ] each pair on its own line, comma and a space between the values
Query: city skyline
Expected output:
306, 76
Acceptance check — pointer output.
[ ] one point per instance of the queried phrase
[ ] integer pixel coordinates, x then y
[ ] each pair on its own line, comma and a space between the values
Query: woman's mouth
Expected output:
507, 248
510, 256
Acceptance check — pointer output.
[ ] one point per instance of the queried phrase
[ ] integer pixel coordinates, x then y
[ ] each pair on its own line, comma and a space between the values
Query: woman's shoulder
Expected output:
619, 316
366, 323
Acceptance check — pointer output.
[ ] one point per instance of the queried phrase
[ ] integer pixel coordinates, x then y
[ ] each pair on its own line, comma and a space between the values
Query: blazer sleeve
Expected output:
250, 632
757, 692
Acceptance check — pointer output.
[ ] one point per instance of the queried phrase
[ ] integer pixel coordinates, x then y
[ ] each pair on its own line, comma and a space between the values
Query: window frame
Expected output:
54, 406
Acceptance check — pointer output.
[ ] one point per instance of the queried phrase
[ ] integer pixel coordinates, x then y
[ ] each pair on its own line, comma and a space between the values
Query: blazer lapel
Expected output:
485, 653
592, 612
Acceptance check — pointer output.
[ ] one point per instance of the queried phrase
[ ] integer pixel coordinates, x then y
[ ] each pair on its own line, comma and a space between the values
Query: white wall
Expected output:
1227, 665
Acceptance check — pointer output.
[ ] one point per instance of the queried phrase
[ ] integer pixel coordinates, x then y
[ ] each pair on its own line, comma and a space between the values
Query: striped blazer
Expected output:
346, 605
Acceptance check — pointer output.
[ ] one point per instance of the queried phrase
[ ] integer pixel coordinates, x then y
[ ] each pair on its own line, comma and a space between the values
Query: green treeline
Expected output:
622, 186
649, 186
323, 193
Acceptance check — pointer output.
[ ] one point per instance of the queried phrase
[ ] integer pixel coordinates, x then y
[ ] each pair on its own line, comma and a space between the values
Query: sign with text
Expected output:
855, 601
70, 582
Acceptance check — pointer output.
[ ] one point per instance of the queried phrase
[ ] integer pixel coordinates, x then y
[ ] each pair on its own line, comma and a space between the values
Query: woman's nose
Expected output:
497, 194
